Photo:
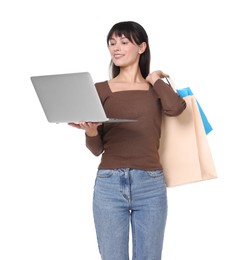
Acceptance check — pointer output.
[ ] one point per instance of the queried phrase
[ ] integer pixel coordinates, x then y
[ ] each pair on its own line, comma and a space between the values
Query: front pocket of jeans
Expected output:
104, 173
155, 174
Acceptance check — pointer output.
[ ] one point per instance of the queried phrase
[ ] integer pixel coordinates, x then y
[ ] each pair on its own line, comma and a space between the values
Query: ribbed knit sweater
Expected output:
133, 144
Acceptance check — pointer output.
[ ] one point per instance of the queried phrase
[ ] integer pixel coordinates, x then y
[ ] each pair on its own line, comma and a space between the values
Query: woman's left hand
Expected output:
155, 75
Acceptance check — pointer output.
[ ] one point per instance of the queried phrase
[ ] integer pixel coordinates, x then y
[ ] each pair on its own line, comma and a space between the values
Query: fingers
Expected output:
85, 125
74, 125
161, 74
155, 75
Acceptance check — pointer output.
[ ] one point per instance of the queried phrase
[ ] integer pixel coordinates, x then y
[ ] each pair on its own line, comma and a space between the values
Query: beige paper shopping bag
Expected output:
184, 149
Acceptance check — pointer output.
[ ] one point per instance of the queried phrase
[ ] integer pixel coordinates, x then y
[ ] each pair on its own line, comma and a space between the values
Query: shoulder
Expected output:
103, 90
102, 87
101, 84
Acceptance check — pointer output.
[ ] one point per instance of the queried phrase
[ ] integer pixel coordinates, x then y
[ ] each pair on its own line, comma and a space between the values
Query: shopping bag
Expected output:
184, 150
184, 92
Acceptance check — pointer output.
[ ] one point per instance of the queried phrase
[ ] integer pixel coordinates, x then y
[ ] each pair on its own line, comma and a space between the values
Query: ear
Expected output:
142, 47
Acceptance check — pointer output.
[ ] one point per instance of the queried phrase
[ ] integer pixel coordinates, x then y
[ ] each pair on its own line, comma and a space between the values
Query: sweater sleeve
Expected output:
95, 144
172, 104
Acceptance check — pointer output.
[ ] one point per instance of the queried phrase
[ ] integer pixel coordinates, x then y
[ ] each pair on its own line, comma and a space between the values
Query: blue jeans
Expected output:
124, 196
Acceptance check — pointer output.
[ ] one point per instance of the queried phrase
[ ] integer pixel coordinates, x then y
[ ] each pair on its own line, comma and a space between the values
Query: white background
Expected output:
47, 174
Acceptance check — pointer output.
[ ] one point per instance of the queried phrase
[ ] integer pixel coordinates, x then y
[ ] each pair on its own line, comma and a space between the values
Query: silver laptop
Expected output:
71, 98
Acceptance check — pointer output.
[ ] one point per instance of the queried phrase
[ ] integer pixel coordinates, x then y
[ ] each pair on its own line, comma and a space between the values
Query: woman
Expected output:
130, 186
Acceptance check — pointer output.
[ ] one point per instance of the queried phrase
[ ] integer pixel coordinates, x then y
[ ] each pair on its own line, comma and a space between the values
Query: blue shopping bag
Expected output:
184, 92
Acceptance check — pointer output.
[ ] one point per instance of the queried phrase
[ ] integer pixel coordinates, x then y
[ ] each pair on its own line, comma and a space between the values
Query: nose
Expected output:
116, 46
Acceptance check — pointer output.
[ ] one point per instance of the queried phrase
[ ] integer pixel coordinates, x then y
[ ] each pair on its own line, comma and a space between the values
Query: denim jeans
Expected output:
124, 196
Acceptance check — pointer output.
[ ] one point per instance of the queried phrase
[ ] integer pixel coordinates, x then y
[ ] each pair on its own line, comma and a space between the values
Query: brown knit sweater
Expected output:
133, 144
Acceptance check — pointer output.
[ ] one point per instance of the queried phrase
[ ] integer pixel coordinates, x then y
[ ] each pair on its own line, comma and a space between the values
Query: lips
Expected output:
117, 56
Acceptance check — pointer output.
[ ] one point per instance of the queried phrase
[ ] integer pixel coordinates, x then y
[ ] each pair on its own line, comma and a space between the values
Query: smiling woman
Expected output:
47, 176
130, 185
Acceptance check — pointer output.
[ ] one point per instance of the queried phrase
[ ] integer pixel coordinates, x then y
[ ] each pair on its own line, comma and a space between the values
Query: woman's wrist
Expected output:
91, 134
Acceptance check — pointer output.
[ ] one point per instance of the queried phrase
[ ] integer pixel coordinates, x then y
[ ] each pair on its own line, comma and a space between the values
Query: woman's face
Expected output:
123, 52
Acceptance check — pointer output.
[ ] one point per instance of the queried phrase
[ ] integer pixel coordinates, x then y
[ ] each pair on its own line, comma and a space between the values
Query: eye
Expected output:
111, 43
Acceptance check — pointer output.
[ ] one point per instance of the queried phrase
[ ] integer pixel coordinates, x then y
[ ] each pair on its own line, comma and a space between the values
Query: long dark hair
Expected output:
135, 33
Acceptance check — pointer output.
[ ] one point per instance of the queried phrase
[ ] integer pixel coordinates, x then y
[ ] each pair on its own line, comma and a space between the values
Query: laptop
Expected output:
71, 98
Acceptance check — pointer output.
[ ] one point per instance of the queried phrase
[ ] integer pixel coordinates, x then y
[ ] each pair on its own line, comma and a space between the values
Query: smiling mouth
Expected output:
116, 56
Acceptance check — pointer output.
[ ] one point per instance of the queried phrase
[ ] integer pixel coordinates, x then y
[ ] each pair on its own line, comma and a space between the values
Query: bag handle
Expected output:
171, 83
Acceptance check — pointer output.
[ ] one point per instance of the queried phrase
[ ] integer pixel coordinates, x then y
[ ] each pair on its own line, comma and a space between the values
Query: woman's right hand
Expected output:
89, 127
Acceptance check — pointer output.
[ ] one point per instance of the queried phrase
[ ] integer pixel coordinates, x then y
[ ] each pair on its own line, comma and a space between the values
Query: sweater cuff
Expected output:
94, 144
